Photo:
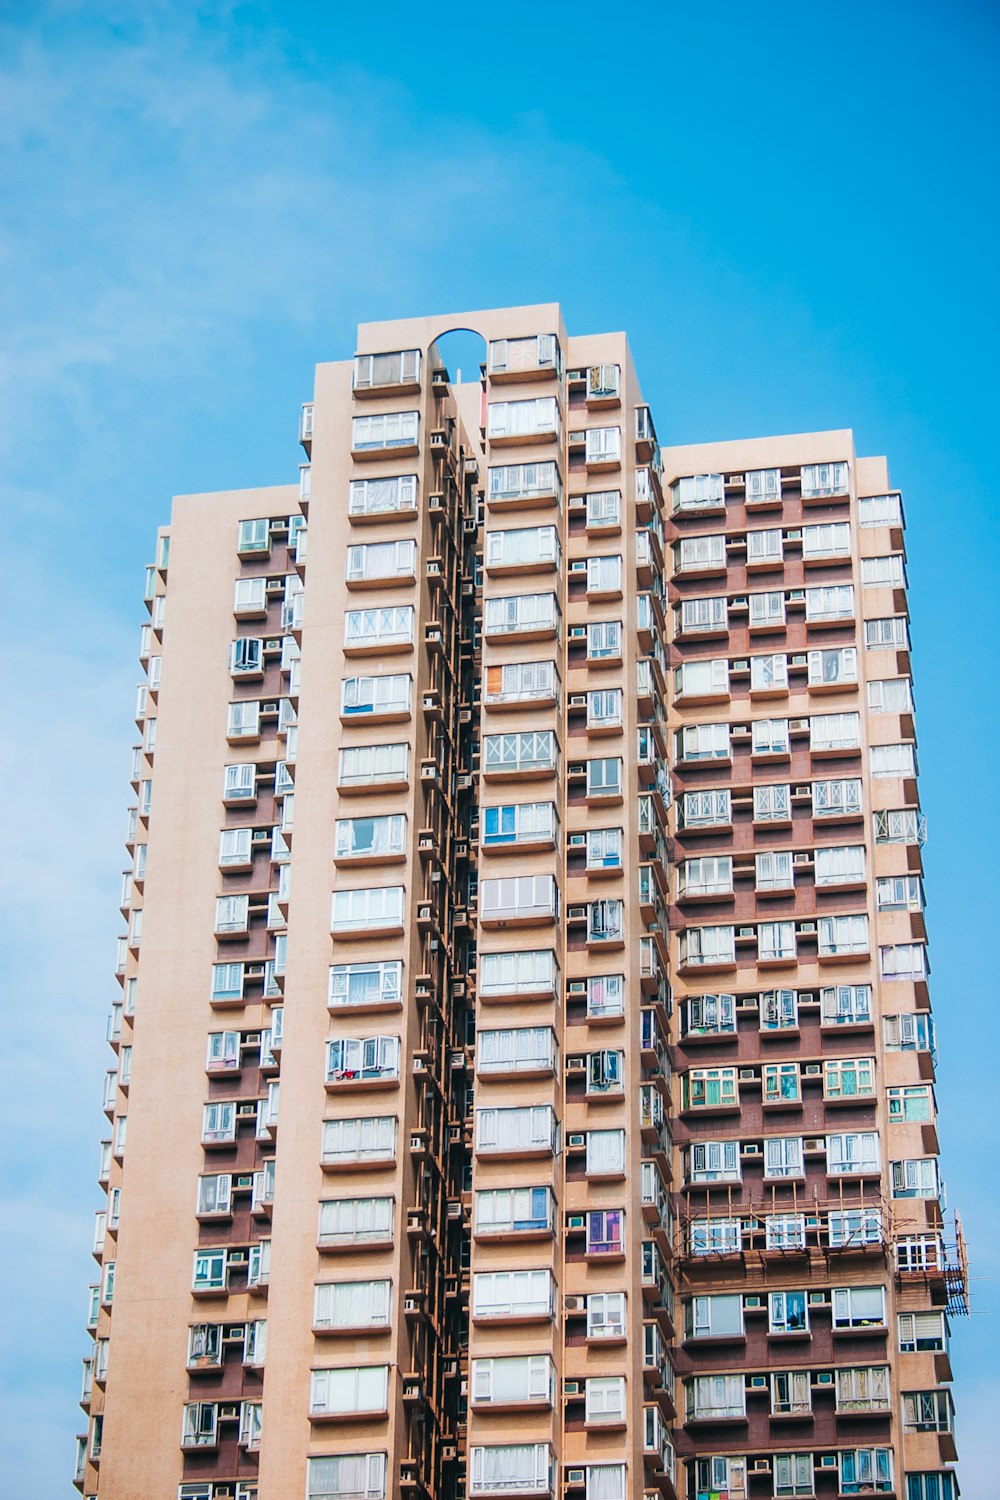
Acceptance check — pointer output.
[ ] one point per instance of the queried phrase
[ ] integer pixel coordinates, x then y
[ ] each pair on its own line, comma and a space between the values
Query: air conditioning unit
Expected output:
578, 632
799, 660
799, 724
576, 914
578, 700
746, 932
817, 1299
740, 602
269, 708
807, 927
244, 1180
577, 987
747, 1075
572, 1387
795, 535
577, 1064
812, 1070
814, 1143
758, 1382
576, 1142
801, 859
577, 840
753, 1301
740, 666
575, 1477
575, 1304
762, 1465
575, 1222
828, 1460
428, 771
751, 1149
824, 1377
279, 526
229, 1411
579, 566
795, 596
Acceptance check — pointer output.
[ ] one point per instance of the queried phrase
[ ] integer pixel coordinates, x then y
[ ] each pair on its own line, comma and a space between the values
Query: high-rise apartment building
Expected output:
525, 1049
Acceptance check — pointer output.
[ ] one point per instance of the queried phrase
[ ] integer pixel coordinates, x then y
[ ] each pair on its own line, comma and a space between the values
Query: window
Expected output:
699, 492
701, 615
505, 1382
880, 510
714, 1161
370, 838
604, 848
775, 942
718, 1477
605, 995
846, 1004
779, 1010
773, 872
362, 1060
772, 803
865, 1470
605, 1153
787, 1312
769, 673
884, 572
350, 1476
706, 947
710, 1088
516, 613
604, 708
702, 679
903, 961
604, 777
234, 846
842, 935
355, 1221
902, 826
604, 640
520, 897
832, 601
793, 1472
911, 1102
899, 893
399, 368
917, 1178
513, 1210
215, 1194
706, 809
606, 1231
851, 1227
520, 973
715, 1236
908, 1033
710, 1015
893, 760
522, 681
227, 982
703, 742
938, 1485
785, 1231
358, 911
381, 560
518, 823
765, 546
378, 627
514, 753
696, 554
823, 479
849, 1078
840, 865
377, 695
780, 1081
927, 1411
767, 610
523, 482
370, 765
834, 732
516, 1131
512, 1294
603, 446
891, 633
715, 1398
606, 1315
377, 497
605, 1072
605, 1401
219, 1121
396, 429
604, 575
603, 382
832, 539
714, 1317
369, 1139
791, 1395
783, 1158
831, 799
518, 356
604, 511
707, 876
771, 737
854, 1154
246, 657
524, 419
243, 723
371, 983
893, 695
510, 1469
363, 1388
923, 1333
829, 668
858, 1307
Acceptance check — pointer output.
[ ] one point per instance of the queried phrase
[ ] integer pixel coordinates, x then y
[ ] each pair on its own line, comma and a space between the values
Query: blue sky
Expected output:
792, 210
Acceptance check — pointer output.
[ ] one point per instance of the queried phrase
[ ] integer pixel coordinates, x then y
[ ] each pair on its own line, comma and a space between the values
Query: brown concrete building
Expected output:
524, 1051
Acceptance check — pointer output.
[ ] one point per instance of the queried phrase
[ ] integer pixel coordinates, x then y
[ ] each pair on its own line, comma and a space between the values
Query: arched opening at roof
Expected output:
462, 352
